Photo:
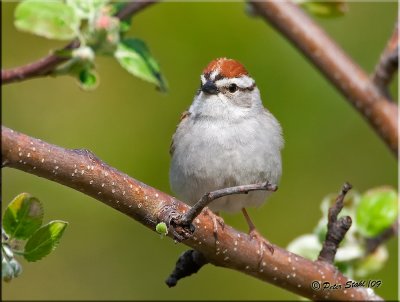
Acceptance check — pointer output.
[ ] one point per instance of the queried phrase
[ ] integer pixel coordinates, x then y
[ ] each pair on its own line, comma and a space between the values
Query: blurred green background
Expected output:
128, 124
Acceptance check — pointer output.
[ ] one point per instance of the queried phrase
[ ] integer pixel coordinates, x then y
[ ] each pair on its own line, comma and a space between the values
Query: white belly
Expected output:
214, 155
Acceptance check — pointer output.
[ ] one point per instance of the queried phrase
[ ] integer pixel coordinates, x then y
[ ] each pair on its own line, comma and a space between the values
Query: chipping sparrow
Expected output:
226, 138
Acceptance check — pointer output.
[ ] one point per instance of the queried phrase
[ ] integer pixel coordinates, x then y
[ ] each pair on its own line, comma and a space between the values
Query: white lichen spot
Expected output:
296, 258
48, 150
198, 221
73, 174
130, 186
199, 242
31, 143
42, 160
102, 185
205, 227
76, 171
289, 259
56, 167
113, 183
113, 191
352, 295
20, 153
235, 249
145, 198
275, 268
117, 201
139, 205
345, 291
258, 252
293, 268
294, 275
226, 258
156, 195
74, 165
261, 270
106, 173
194, 238
29, 154
98, 193
217, 253
236, 243
130, 206
299, 285
33, 149
217, 248
92, 168
238, 235
88, 167
323, 276
83, 172
123, 193
326, 297
288, 276
275, 278
19, 148
24, 162
247, 267
224, 251
34, 167
91, 182
217, 242
55, 161
263, 263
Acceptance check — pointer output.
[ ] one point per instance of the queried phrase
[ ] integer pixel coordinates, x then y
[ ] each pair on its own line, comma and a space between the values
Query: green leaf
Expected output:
376, 211
135, 57
49, 19
44, 240
23, 216
88, 79
86, 9
325, 8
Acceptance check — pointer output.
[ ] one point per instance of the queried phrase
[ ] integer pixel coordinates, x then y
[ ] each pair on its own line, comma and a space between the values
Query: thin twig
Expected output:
388, 64
188, 263
209, 197
84, 172
335, 65
46, 65
337, 228
374, 243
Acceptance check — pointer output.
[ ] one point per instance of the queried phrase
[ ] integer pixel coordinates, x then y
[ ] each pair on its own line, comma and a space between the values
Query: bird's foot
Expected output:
216, 220
263, 243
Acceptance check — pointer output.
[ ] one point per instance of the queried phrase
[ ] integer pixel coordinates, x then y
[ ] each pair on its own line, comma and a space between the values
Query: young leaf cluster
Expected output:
22, 221
99, 32
373, 212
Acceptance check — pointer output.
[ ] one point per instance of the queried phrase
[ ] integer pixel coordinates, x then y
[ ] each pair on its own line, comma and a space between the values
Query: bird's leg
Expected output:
254, 234
216, 219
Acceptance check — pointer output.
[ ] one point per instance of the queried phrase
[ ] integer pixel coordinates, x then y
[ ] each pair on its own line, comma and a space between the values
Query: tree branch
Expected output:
388, 64
83, 171
373, 243
335, 65
337, 228
46, 65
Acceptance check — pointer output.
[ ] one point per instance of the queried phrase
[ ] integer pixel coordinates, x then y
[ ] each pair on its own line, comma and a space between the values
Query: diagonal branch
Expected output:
83, 171
334, 64
46, 65
388, 64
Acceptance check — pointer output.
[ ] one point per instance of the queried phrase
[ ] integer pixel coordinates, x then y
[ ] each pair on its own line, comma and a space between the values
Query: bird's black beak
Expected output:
209, 87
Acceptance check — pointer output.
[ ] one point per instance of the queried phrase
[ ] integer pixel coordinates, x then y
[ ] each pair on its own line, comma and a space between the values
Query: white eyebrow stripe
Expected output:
214, 74
203, 79
243, 82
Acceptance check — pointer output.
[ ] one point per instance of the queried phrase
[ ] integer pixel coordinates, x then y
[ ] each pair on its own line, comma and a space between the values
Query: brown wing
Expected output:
185, 114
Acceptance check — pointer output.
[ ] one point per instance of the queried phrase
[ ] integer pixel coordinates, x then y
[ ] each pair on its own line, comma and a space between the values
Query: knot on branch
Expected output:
337, 228
188, 263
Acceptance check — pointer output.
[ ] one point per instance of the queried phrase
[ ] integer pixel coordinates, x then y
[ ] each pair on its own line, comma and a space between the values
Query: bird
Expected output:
226, 138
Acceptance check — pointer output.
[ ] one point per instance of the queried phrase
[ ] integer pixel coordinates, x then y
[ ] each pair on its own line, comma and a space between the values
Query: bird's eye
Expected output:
232, 88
